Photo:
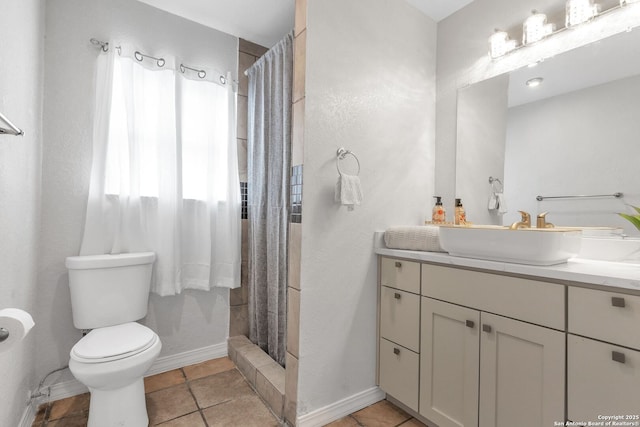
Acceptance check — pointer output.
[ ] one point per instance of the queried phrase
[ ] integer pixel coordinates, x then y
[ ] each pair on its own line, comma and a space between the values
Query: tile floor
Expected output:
209, 394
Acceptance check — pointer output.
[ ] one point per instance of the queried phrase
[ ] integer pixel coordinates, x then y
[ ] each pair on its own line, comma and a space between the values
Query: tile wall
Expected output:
295, 225
248, 53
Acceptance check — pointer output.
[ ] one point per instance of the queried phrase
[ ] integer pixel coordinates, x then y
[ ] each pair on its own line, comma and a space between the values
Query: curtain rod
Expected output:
139, 56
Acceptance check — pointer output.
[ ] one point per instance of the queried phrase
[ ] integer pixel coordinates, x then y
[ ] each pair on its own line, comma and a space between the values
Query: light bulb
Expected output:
500, 44
536, 81
580, 11
535, 28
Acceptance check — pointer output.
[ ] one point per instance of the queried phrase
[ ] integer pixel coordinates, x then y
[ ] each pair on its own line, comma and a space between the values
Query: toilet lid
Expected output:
113, 342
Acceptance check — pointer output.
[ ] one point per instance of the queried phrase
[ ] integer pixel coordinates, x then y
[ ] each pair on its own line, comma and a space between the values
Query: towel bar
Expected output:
599, 196
13, 129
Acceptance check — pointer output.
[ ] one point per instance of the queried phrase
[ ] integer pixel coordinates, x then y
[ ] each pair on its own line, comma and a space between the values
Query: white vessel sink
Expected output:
533, 246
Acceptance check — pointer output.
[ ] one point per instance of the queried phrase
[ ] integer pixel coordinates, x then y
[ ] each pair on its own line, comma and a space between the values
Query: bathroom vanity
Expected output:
466, 342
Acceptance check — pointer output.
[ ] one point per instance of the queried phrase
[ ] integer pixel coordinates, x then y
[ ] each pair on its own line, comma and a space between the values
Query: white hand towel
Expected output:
348, 191
493, 202
502, 203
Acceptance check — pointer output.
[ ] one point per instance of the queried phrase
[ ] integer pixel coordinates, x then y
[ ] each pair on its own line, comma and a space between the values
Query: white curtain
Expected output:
165, 175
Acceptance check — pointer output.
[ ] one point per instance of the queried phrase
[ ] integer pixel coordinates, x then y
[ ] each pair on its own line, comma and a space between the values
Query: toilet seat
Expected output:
113, 343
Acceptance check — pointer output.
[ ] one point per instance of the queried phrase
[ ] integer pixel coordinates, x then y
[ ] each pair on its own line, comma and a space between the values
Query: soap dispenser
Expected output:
460, 215
439, 214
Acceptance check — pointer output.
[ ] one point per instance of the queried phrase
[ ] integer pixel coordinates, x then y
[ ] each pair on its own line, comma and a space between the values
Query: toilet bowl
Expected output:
111, 362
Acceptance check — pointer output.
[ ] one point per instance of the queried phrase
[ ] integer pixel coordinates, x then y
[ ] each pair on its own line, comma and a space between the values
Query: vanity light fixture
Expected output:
580, 11
535, 28
500, 44
536, 81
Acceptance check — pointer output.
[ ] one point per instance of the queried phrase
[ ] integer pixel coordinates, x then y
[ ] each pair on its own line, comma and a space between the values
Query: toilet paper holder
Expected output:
4, 334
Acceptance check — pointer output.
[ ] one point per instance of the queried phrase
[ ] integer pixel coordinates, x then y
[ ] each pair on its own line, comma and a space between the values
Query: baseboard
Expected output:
70, 388
191, 357
341, 408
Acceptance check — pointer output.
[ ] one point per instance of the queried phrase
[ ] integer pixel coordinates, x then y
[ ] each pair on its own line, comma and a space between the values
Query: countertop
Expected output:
612, 276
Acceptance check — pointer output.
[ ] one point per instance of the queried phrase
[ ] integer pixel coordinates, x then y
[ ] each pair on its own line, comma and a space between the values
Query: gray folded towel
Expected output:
414, 238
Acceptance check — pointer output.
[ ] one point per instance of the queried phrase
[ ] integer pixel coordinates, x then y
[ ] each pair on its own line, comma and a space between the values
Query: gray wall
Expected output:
192, 320
21, 53
370, 87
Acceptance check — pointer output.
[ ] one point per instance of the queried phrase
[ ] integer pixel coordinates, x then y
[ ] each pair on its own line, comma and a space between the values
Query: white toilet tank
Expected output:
109, 290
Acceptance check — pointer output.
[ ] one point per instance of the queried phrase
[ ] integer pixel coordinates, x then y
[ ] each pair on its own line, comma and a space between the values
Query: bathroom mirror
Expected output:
575, 134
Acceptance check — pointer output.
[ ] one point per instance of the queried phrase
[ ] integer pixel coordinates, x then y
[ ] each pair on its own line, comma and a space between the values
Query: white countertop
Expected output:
599, 273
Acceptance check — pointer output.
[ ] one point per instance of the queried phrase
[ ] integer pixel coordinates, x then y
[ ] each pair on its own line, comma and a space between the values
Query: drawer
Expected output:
606, 316
400, 274
399, 373
400, 317
541, 303
599, 385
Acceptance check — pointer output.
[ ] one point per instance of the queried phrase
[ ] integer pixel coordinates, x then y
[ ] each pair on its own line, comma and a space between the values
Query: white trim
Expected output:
191, 357
73, 387
28, 416
341, 408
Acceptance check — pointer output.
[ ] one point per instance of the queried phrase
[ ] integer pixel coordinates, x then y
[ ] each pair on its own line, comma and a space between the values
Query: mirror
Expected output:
576, 134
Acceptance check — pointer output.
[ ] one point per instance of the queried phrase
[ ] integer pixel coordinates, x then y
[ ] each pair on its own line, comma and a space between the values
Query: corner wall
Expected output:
21, 74
189, 321
370, 87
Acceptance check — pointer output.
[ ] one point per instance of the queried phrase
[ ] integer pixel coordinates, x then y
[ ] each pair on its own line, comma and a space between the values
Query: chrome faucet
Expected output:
525, 222
541, 221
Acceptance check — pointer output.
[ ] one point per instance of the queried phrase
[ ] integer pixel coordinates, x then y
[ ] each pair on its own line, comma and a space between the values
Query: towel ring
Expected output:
341, 154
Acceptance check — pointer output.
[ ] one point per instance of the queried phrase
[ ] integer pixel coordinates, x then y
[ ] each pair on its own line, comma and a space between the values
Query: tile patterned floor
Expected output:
210, 394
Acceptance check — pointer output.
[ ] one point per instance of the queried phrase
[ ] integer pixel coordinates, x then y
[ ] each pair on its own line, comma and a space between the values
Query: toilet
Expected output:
108, 294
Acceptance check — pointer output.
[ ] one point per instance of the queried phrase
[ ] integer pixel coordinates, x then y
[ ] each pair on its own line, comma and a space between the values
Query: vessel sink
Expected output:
532, 246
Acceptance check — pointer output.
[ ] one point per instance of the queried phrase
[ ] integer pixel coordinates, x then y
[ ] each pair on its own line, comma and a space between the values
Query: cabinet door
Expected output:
602, 379
522, 373
449, 371
399, 369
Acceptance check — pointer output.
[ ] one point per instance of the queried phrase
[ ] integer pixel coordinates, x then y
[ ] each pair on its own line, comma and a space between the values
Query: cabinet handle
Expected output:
396, 350
397, 295
398, 264
470, 323
487, 328
616, 356
617, 302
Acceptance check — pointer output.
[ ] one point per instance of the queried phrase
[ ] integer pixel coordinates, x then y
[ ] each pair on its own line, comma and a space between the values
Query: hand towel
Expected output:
348, 191
502, 203
493, 202
415, 238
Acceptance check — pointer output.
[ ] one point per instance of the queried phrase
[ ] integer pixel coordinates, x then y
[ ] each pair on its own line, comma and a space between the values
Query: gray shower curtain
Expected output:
269, 167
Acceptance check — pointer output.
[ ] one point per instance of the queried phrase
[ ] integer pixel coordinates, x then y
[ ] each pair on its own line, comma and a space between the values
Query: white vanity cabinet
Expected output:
399, 328
603, 355
481, 368
490, 349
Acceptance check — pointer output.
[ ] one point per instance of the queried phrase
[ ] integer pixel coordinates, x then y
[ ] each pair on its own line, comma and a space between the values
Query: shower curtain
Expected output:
269, 165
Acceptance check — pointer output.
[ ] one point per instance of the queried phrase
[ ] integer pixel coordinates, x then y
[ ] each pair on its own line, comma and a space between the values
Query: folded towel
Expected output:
414, 238
348, 191
502, 203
